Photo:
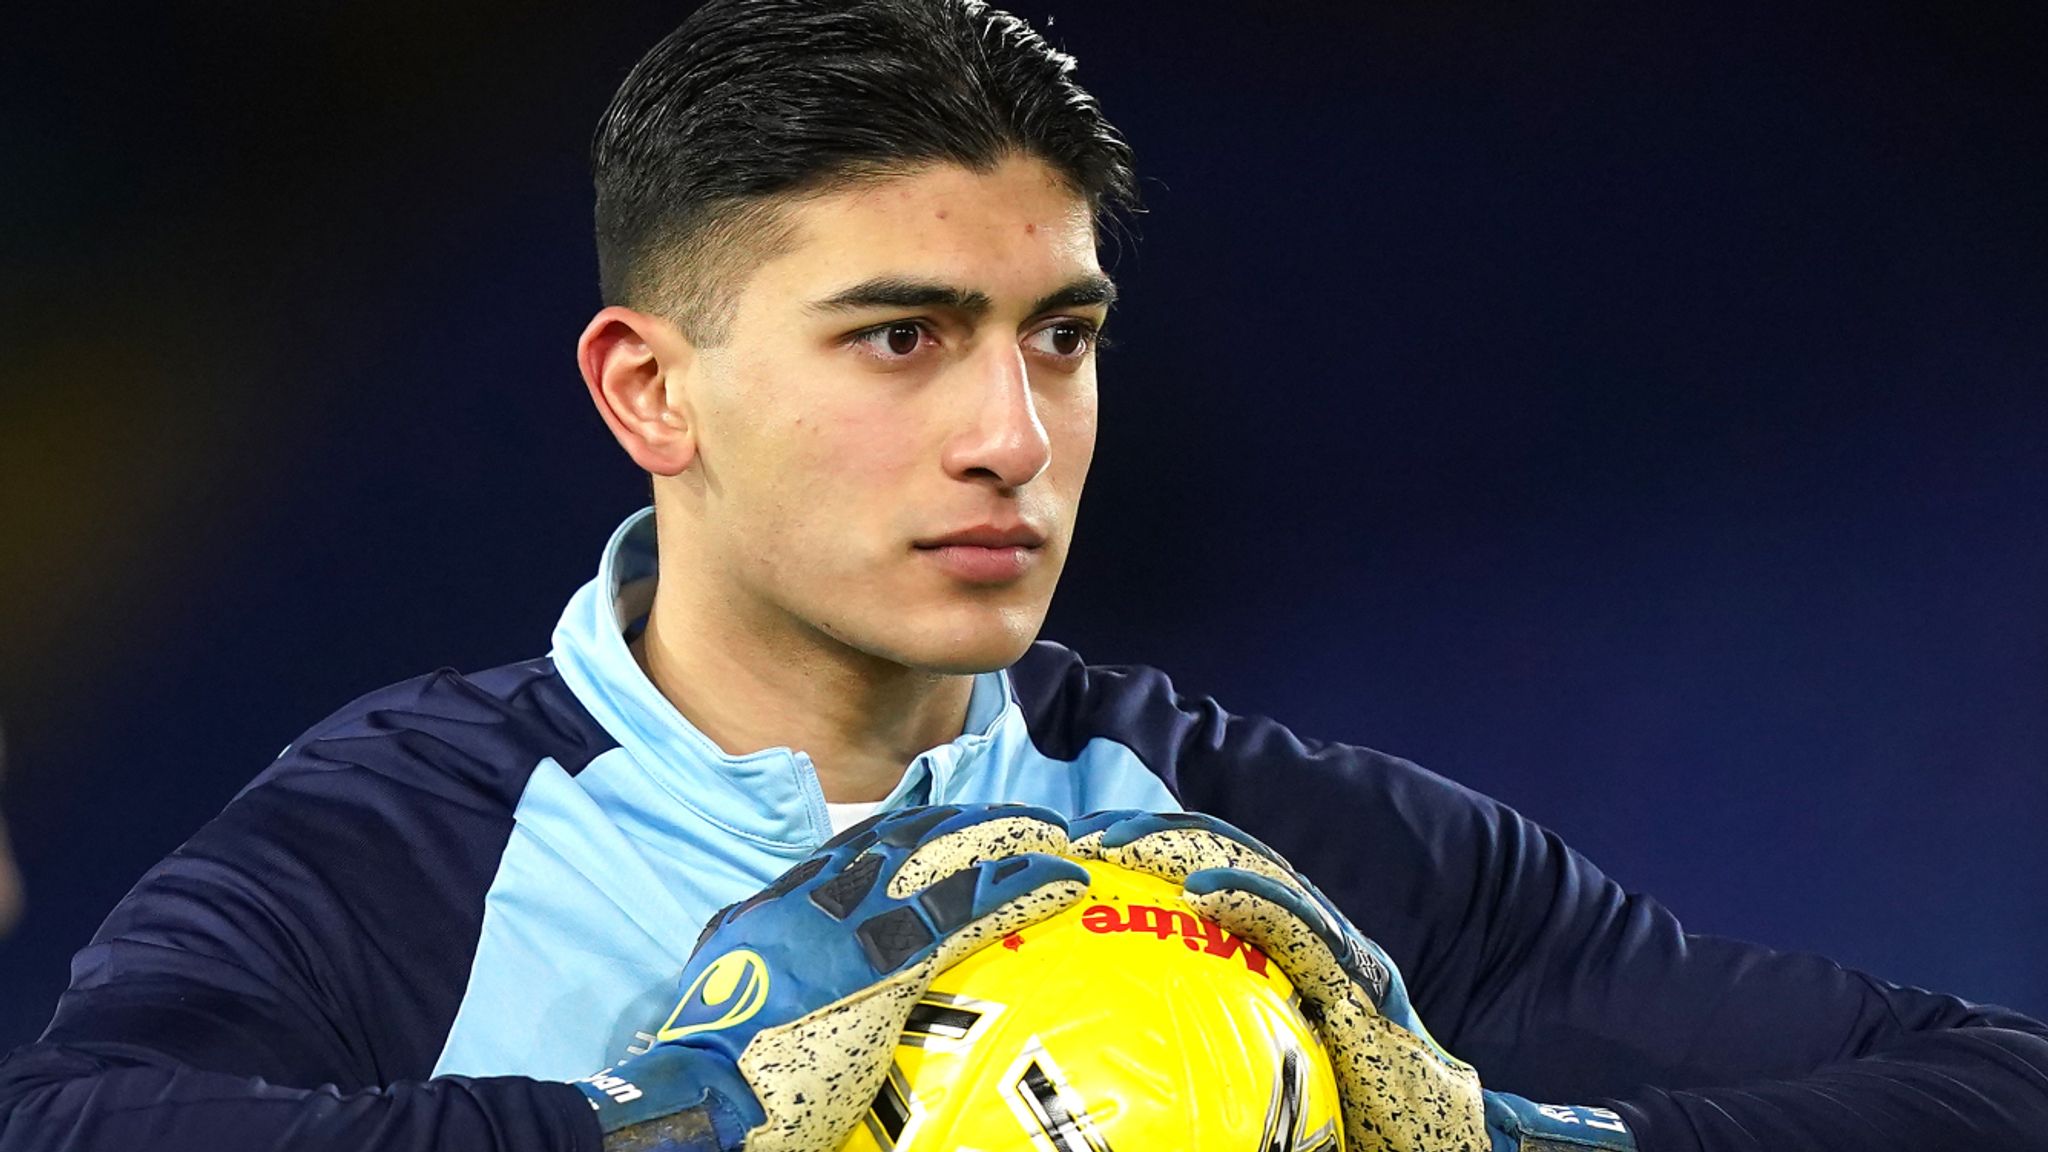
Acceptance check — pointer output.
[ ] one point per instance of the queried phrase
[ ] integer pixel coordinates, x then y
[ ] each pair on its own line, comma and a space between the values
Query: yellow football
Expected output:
1126, 1022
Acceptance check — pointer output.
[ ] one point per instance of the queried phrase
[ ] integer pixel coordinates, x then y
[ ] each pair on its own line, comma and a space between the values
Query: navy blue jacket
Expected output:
458, 892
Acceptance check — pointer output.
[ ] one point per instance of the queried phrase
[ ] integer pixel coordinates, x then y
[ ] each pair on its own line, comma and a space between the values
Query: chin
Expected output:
966, 643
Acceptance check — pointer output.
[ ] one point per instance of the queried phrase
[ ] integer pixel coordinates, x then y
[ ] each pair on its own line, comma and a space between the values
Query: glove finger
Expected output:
971, 893
1012, 894
903, 827
1173, 845
962, 838
816, 1075
998, 895
1400, 1089
803, 873
1288, 925
959, 913
1147, 823
1085, 834
1361, 958
855, 858
1015, 878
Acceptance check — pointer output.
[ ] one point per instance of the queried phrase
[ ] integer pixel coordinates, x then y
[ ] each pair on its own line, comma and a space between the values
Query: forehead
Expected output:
1013, 231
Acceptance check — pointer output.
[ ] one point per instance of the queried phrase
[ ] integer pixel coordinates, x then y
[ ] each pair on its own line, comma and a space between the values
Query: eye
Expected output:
1063, 339
897, 340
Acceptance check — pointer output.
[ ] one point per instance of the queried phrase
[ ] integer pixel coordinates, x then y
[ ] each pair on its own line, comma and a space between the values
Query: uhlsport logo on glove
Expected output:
729, 991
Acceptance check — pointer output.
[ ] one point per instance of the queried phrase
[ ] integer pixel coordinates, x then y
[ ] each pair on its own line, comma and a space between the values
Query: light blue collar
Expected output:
771, 796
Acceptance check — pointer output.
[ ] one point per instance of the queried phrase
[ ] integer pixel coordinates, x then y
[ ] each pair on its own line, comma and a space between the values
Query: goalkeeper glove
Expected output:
794, 998
1400, 1091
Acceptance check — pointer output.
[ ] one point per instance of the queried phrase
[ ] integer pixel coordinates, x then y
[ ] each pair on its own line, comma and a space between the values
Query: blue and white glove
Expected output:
794, 998
1400, 1091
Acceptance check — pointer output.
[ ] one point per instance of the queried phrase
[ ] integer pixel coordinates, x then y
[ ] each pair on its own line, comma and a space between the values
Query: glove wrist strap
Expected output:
1520, 1125
672, 1097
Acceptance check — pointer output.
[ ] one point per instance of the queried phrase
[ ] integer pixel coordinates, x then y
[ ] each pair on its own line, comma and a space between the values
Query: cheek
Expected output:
832, 477
848, 452
1070, 426
802, 435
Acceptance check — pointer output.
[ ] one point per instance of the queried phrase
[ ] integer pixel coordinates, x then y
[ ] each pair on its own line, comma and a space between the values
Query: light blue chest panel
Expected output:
609, 875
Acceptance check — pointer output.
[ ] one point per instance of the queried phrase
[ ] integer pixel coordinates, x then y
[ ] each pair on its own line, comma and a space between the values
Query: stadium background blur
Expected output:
1636, 415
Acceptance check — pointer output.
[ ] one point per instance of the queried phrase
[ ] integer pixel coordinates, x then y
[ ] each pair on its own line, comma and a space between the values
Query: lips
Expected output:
988, 536
986, 554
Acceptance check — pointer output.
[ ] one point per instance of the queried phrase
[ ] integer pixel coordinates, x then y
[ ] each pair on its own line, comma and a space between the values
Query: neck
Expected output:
861, 719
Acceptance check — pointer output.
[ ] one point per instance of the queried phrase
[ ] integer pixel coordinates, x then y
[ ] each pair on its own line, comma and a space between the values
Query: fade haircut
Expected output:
751, 105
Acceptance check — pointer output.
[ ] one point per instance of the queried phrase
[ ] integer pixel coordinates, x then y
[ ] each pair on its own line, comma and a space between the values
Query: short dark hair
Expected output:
751, 102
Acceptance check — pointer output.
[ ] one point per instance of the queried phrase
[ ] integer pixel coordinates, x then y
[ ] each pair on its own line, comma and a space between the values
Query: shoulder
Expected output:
401, 801
1067, 703
1212, 758
472, 738
426, 774
354, 868
422, 776
1397, 845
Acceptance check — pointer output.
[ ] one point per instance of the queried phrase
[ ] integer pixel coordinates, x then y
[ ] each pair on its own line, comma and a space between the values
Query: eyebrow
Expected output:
904, 292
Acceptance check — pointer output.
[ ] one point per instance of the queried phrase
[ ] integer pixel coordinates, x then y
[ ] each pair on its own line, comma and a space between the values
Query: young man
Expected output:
849, 261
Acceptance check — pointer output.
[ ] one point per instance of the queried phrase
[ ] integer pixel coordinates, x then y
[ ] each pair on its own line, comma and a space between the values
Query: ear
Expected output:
634, 363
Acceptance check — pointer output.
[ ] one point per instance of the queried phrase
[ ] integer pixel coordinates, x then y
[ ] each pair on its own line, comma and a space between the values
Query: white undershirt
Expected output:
844, 816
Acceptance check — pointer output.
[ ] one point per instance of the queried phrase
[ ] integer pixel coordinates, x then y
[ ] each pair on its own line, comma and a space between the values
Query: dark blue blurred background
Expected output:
1634, 411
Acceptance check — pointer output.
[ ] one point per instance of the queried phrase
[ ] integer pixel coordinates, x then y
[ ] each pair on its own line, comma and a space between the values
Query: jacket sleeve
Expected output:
1553, 981
285, 979
191, 1025
87, 1097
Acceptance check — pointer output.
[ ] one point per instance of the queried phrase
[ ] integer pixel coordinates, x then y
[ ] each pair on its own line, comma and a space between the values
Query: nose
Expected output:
1002, 439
